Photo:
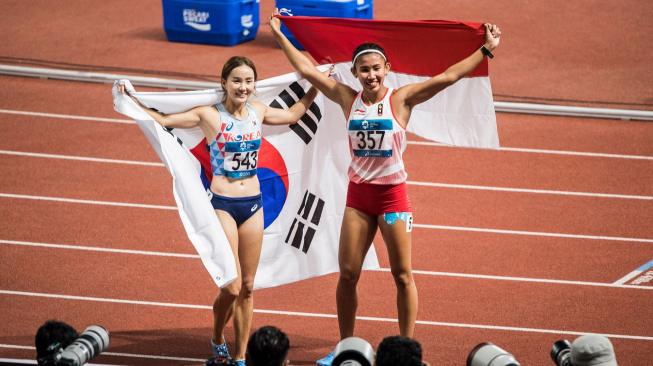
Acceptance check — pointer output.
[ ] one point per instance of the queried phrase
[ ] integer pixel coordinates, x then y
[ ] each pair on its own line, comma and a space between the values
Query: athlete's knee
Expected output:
247, 288
232, 290
403, 278
349, 276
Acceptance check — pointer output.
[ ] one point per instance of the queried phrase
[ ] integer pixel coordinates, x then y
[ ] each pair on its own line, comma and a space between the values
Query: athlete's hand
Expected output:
328, 72
492, 36
275, 22
125, 87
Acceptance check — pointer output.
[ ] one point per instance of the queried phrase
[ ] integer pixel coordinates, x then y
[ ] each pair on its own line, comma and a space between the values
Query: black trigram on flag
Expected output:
169, 130
305, 225
308, 122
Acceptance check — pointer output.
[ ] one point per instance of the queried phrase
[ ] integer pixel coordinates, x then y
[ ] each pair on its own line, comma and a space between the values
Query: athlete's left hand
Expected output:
275, 22
492, 36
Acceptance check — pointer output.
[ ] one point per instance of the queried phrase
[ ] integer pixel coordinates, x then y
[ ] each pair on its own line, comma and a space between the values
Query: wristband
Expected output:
486, 52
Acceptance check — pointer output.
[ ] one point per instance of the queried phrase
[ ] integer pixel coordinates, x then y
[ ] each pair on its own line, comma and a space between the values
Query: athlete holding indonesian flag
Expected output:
377, 117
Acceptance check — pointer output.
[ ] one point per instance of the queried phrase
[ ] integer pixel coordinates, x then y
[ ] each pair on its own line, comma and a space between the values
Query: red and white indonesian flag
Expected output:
462, 114
303, 167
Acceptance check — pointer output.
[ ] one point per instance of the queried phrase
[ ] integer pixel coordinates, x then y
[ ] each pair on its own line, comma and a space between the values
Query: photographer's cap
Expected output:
592, 350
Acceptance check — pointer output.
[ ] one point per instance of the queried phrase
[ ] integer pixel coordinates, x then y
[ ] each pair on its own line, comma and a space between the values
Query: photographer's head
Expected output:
50, 338
592, 350
268, 346
398, 350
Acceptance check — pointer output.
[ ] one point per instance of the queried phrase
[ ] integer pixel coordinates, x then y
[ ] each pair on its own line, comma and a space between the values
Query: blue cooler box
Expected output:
222, 22
323, 8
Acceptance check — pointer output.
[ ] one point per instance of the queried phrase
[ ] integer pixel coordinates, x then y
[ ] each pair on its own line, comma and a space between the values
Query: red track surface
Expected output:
514, 299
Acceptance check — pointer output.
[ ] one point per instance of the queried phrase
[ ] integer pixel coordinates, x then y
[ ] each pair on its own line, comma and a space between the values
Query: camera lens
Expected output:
487, 354
561, 352
353, 351
93, 341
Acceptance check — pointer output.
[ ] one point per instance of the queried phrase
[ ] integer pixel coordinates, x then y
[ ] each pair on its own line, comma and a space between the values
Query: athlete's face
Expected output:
239, 84
370, 69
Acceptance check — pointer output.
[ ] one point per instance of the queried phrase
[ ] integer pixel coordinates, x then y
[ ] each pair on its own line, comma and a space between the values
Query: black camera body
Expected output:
93, 341
561, 352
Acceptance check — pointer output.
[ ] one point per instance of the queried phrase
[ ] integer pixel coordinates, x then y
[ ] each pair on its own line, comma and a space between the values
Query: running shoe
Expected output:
326, 361
220, 350
239, 362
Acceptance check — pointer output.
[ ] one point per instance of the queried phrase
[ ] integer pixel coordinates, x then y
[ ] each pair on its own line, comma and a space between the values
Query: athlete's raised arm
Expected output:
337, 92
278, 116
188, 119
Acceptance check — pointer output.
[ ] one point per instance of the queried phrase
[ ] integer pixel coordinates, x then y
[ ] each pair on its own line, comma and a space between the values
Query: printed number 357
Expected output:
370, 140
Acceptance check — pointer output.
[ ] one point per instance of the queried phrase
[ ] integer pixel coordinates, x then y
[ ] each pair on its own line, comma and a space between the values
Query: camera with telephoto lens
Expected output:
353, 351
561, 352
487, 354
93, 341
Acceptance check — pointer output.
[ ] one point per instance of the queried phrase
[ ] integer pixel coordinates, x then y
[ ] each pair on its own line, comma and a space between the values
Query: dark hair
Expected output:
268, 346
51, 333
235, 62
368, 46
398, 350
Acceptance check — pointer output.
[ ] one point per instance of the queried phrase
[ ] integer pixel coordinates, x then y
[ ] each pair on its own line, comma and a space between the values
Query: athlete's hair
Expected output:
366, 48
268, 346
235, 62
398, 350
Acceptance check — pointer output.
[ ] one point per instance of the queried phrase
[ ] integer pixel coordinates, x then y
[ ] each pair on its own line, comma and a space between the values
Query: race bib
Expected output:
241, 158
371, 138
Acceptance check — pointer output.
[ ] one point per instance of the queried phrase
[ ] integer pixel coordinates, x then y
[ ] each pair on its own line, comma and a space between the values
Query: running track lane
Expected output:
65, 177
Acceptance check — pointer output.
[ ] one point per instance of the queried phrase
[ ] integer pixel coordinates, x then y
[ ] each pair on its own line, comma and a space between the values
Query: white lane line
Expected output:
316, 315
415, 183
67, 116
531, 233
419, 143
115, 354
522, 279
543, 151
98, 249
421, 226
417, 272
15, 346
80, 158
86, 202
525, 190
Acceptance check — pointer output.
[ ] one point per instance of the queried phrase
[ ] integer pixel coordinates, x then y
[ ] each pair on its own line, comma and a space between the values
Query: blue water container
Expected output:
221, 22
361, 9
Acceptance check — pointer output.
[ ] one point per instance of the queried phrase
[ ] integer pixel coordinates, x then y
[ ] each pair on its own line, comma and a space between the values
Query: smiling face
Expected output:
239, 84
371, 69
238, 79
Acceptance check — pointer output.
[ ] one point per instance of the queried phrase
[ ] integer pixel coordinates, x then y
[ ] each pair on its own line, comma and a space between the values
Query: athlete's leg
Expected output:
250, 239
223, 305
398, 241
356, 235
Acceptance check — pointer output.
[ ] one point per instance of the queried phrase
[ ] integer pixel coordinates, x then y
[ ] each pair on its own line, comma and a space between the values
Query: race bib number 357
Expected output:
371, 138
